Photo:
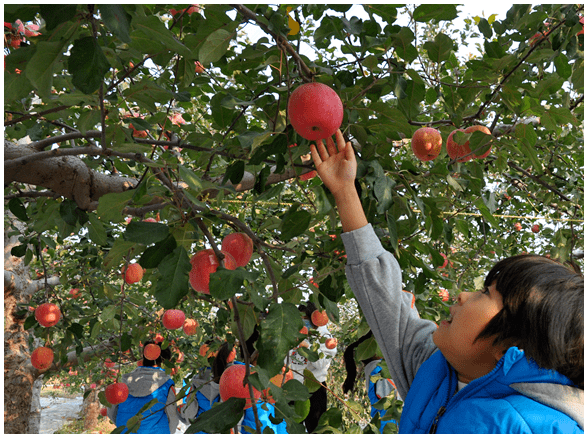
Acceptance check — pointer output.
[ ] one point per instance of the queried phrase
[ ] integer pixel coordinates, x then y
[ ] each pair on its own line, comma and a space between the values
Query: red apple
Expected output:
445, 261
152, 352
232, 355
304, 330
444, 294
203, 350
282, 378
108, 363
42, 358
315, 111
319, 319
535, 228
173, 319
75, 292
103, 411
330, 343
134, 273
240, 246
517, 226
461, 153
190, 327
116, 393
426, 143
47, 314
199, 68
231, 384
158, 338
203, 264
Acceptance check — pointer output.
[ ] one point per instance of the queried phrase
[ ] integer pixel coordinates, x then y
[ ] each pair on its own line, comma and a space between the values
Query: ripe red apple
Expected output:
426, 143
485, 130
444, 294
535, 228
517, 226
304, 330
315, 111
152, 352
173, 319
116, 393
203, 264
103, 411
277, 379
231, 384
461, 153
108, 363
47, 314
199, 68
330, 343
75, 292
232, 355
42, 358
203, 350
240, 246
319, 319
158, 338
134, 273
190, 327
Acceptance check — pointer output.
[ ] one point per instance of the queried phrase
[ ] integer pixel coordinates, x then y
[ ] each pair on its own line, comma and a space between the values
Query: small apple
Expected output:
426, 143
517, 226
108, 363
152, 352
203, 264
103, 411
240, 246
319, 319
199, 68
134, 273
203, 350
535, 228
173, 319
304, 330
232, 355
330, 343
315, 111
445, 261
42, 358
444, 294
47, 314
116, 393
75, 292
231, 384
284, 377
190, 327
158, 338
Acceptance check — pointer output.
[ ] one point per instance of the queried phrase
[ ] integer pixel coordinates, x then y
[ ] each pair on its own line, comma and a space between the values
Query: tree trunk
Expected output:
34, 422
90, 411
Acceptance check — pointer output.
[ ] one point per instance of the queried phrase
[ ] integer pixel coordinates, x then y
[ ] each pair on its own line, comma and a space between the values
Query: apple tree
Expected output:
147, 133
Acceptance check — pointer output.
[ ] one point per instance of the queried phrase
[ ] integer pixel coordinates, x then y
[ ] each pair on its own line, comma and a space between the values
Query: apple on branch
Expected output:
231, 385
47, 314
426, 143
203, 264
315, 111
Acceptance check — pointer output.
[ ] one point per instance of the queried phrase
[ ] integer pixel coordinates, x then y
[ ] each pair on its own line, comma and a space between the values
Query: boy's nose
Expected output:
462, 297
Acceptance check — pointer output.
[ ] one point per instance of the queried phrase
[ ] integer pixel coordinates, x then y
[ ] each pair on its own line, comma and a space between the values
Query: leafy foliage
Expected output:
183, 119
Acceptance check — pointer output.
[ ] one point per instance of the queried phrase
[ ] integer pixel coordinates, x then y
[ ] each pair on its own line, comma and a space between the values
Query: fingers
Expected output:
340, 141
315, 156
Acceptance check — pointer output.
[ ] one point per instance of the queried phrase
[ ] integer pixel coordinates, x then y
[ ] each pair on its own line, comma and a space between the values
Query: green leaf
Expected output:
439, 49
117, 20
55, 14
17, 208
563, 68
43, 65
234, 172
153, 255
148, 95
174, 278
118, 252
150, 33
248, 318
224, 283
294, 223
485, 28
110, 206
146, 232
87, 64
215, 46
366, 349
527, 137
439, 12
279, 331
219, 418
323, 205
96, 231
310, 381
577, 78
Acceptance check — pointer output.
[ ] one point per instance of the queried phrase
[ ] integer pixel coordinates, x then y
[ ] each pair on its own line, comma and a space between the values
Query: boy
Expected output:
478, 372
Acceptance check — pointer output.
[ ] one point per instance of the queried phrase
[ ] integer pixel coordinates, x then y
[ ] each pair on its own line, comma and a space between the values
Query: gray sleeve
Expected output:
112, 413
189, 410
375, 278
171, 410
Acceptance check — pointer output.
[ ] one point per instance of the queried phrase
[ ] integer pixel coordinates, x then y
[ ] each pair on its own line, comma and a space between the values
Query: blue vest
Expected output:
157, 423
203, 402
264, 417
374, 399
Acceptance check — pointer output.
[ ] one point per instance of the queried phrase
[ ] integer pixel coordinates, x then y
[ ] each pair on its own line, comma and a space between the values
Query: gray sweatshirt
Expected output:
403, 337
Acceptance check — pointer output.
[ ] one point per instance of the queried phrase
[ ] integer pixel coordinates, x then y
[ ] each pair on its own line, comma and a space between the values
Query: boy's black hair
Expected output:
543, 312
350, 365
307, 310
220, 362
164, 355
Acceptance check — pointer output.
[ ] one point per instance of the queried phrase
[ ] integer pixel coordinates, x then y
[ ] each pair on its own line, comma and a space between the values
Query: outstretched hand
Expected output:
336, 164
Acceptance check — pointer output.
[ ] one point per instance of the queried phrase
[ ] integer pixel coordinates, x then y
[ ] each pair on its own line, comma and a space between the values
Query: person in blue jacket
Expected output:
376, 390
145, 383
510, 359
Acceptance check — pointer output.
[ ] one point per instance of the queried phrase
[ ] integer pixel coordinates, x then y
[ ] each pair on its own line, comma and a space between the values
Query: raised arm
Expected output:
337, 167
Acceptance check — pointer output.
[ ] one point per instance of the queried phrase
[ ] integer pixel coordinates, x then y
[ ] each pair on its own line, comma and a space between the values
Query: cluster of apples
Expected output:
237, 248
47, 315
427, 144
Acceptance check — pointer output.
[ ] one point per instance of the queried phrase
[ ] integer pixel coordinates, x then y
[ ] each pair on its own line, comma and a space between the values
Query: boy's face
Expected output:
455, 338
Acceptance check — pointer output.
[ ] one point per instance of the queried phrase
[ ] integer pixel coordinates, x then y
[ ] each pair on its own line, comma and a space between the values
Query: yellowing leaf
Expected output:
294, 25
